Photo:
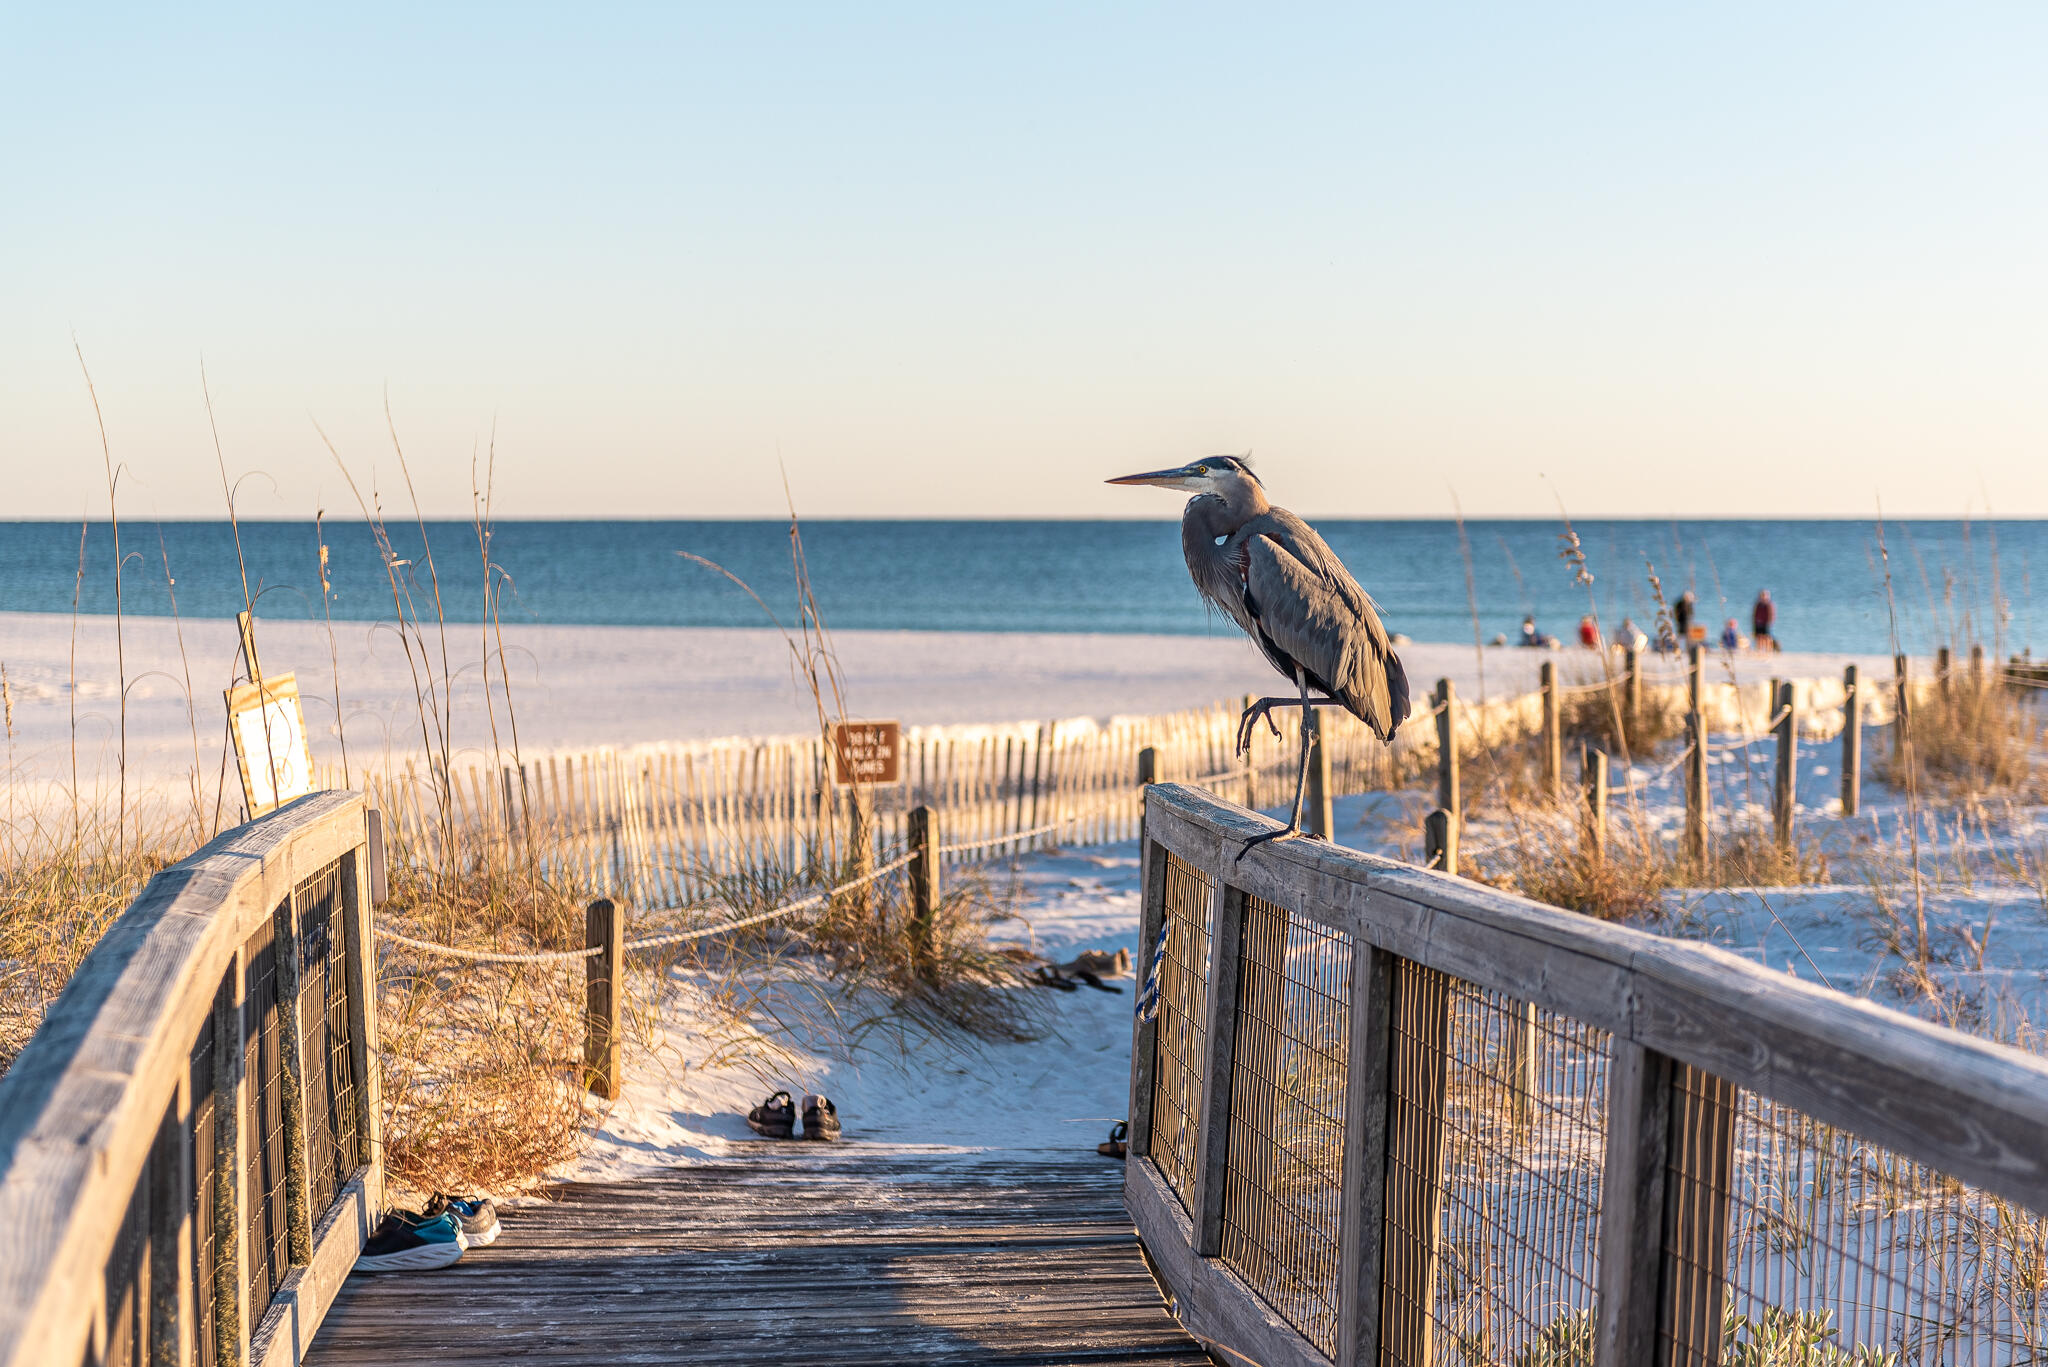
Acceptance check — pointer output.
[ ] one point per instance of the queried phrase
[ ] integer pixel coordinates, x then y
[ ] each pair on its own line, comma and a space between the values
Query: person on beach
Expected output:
1762, 617
1731, 636
1589, 633
1682, 615
1630, 637
1530, 636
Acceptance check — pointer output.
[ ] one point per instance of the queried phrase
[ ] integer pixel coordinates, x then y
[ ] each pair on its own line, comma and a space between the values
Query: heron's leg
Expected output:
1301, 775
1293, 826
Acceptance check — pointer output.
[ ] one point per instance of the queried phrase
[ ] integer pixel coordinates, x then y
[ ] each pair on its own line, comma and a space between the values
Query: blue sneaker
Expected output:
412, 1243
476, 1215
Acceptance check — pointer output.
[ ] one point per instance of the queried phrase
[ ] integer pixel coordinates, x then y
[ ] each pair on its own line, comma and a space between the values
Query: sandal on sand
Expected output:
1114, 1146
821, 1118
775, 1117
1045, 975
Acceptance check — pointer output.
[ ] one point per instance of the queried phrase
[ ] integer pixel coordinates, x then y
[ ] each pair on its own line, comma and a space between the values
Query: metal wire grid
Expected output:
1495, 1161
1182, 1035
332, 1150
204, 1150
263, 1120
1842, 1252
127, 1275
1284, 1164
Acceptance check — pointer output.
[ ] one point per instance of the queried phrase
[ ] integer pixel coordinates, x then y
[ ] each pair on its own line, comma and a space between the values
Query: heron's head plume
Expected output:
1230, 478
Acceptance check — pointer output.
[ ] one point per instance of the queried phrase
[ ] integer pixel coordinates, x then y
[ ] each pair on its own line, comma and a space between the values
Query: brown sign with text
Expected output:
866, 751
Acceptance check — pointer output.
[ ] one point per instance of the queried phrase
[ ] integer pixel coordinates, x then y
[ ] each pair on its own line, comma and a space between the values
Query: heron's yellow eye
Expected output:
1198, 469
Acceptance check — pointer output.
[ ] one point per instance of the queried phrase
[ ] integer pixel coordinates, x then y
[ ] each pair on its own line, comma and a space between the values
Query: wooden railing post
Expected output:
1697, 795
1445, 700
1320, 820
1784, 796
1943, 667
1148, 768
1212, 1121
1852, 742
923, 874
604, 997
860, 847
1632, 713
1362, 1219
1698, 1196
1593, 777
1696, 791
1902, 715
1553, 732
1251, 768
1976, 669
1632, 1206
1440, 841
1145, 1033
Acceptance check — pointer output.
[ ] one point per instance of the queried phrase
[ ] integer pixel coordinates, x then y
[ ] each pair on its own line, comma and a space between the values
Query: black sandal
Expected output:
1114, 1146
775, 1117
821, 1118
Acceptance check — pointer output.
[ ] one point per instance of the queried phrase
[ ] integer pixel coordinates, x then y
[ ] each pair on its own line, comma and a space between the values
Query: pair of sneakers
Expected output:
776, 1117
421, 1240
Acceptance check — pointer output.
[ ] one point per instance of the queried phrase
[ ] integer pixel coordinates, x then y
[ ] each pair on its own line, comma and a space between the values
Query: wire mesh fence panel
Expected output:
1841, 1252
1495, 1157
264, 1225
1283, 1177
204, 1190
332, 1149
1182, 1036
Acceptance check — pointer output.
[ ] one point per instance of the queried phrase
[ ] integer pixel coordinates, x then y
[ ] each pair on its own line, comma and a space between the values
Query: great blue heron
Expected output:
1271, 574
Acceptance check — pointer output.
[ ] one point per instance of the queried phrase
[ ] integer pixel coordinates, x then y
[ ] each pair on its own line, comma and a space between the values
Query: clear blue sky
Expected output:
967, 259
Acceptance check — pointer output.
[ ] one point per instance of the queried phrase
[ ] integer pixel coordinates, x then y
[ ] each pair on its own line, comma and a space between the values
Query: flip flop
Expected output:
1115, 1146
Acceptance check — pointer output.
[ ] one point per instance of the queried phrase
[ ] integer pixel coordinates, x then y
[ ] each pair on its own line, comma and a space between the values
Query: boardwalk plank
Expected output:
787, 1253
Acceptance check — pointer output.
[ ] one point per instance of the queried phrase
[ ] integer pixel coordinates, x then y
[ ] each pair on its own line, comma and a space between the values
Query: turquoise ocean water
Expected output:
1827, 577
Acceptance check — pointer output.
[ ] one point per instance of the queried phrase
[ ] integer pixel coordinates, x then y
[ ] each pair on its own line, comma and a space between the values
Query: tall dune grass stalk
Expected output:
333, 655
120, 651
184, 663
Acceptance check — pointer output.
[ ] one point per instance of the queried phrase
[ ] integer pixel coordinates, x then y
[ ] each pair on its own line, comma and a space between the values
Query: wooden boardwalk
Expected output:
790, 1253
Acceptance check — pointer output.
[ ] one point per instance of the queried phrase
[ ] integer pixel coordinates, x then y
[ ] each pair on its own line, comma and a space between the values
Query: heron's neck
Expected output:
1242, 501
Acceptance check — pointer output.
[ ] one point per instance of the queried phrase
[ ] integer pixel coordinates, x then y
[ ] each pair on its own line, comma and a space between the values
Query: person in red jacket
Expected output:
1762, 617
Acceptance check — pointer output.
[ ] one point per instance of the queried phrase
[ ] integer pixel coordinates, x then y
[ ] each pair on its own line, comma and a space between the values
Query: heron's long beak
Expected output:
1179, 477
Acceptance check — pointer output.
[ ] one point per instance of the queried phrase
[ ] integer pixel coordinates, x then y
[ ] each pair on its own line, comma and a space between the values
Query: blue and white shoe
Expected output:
476, 1215
410, 1243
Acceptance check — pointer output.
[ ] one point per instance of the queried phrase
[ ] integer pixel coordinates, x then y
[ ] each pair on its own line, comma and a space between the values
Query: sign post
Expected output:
864, 753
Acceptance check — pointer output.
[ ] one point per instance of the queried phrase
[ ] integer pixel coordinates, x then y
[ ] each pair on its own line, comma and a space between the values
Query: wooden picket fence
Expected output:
671, 824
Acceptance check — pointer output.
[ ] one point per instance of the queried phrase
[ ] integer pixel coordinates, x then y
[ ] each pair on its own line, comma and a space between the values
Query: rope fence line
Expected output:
758, 918
648, 941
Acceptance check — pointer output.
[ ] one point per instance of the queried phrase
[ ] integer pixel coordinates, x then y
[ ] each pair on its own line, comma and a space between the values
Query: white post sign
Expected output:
271, 747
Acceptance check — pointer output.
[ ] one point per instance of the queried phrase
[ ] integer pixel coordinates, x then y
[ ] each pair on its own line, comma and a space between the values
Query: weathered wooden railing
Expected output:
189, 1146
1389, 1116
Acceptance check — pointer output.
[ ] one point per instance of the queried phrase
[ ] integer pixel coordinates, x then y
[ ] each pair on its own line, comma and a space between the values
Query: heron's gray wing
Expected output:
1315, 612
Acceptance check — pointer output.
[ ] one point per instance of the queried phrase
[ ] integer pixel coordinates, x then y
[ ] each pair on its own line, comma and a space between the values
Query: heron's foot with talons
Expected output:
1284, 833
1261, 710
